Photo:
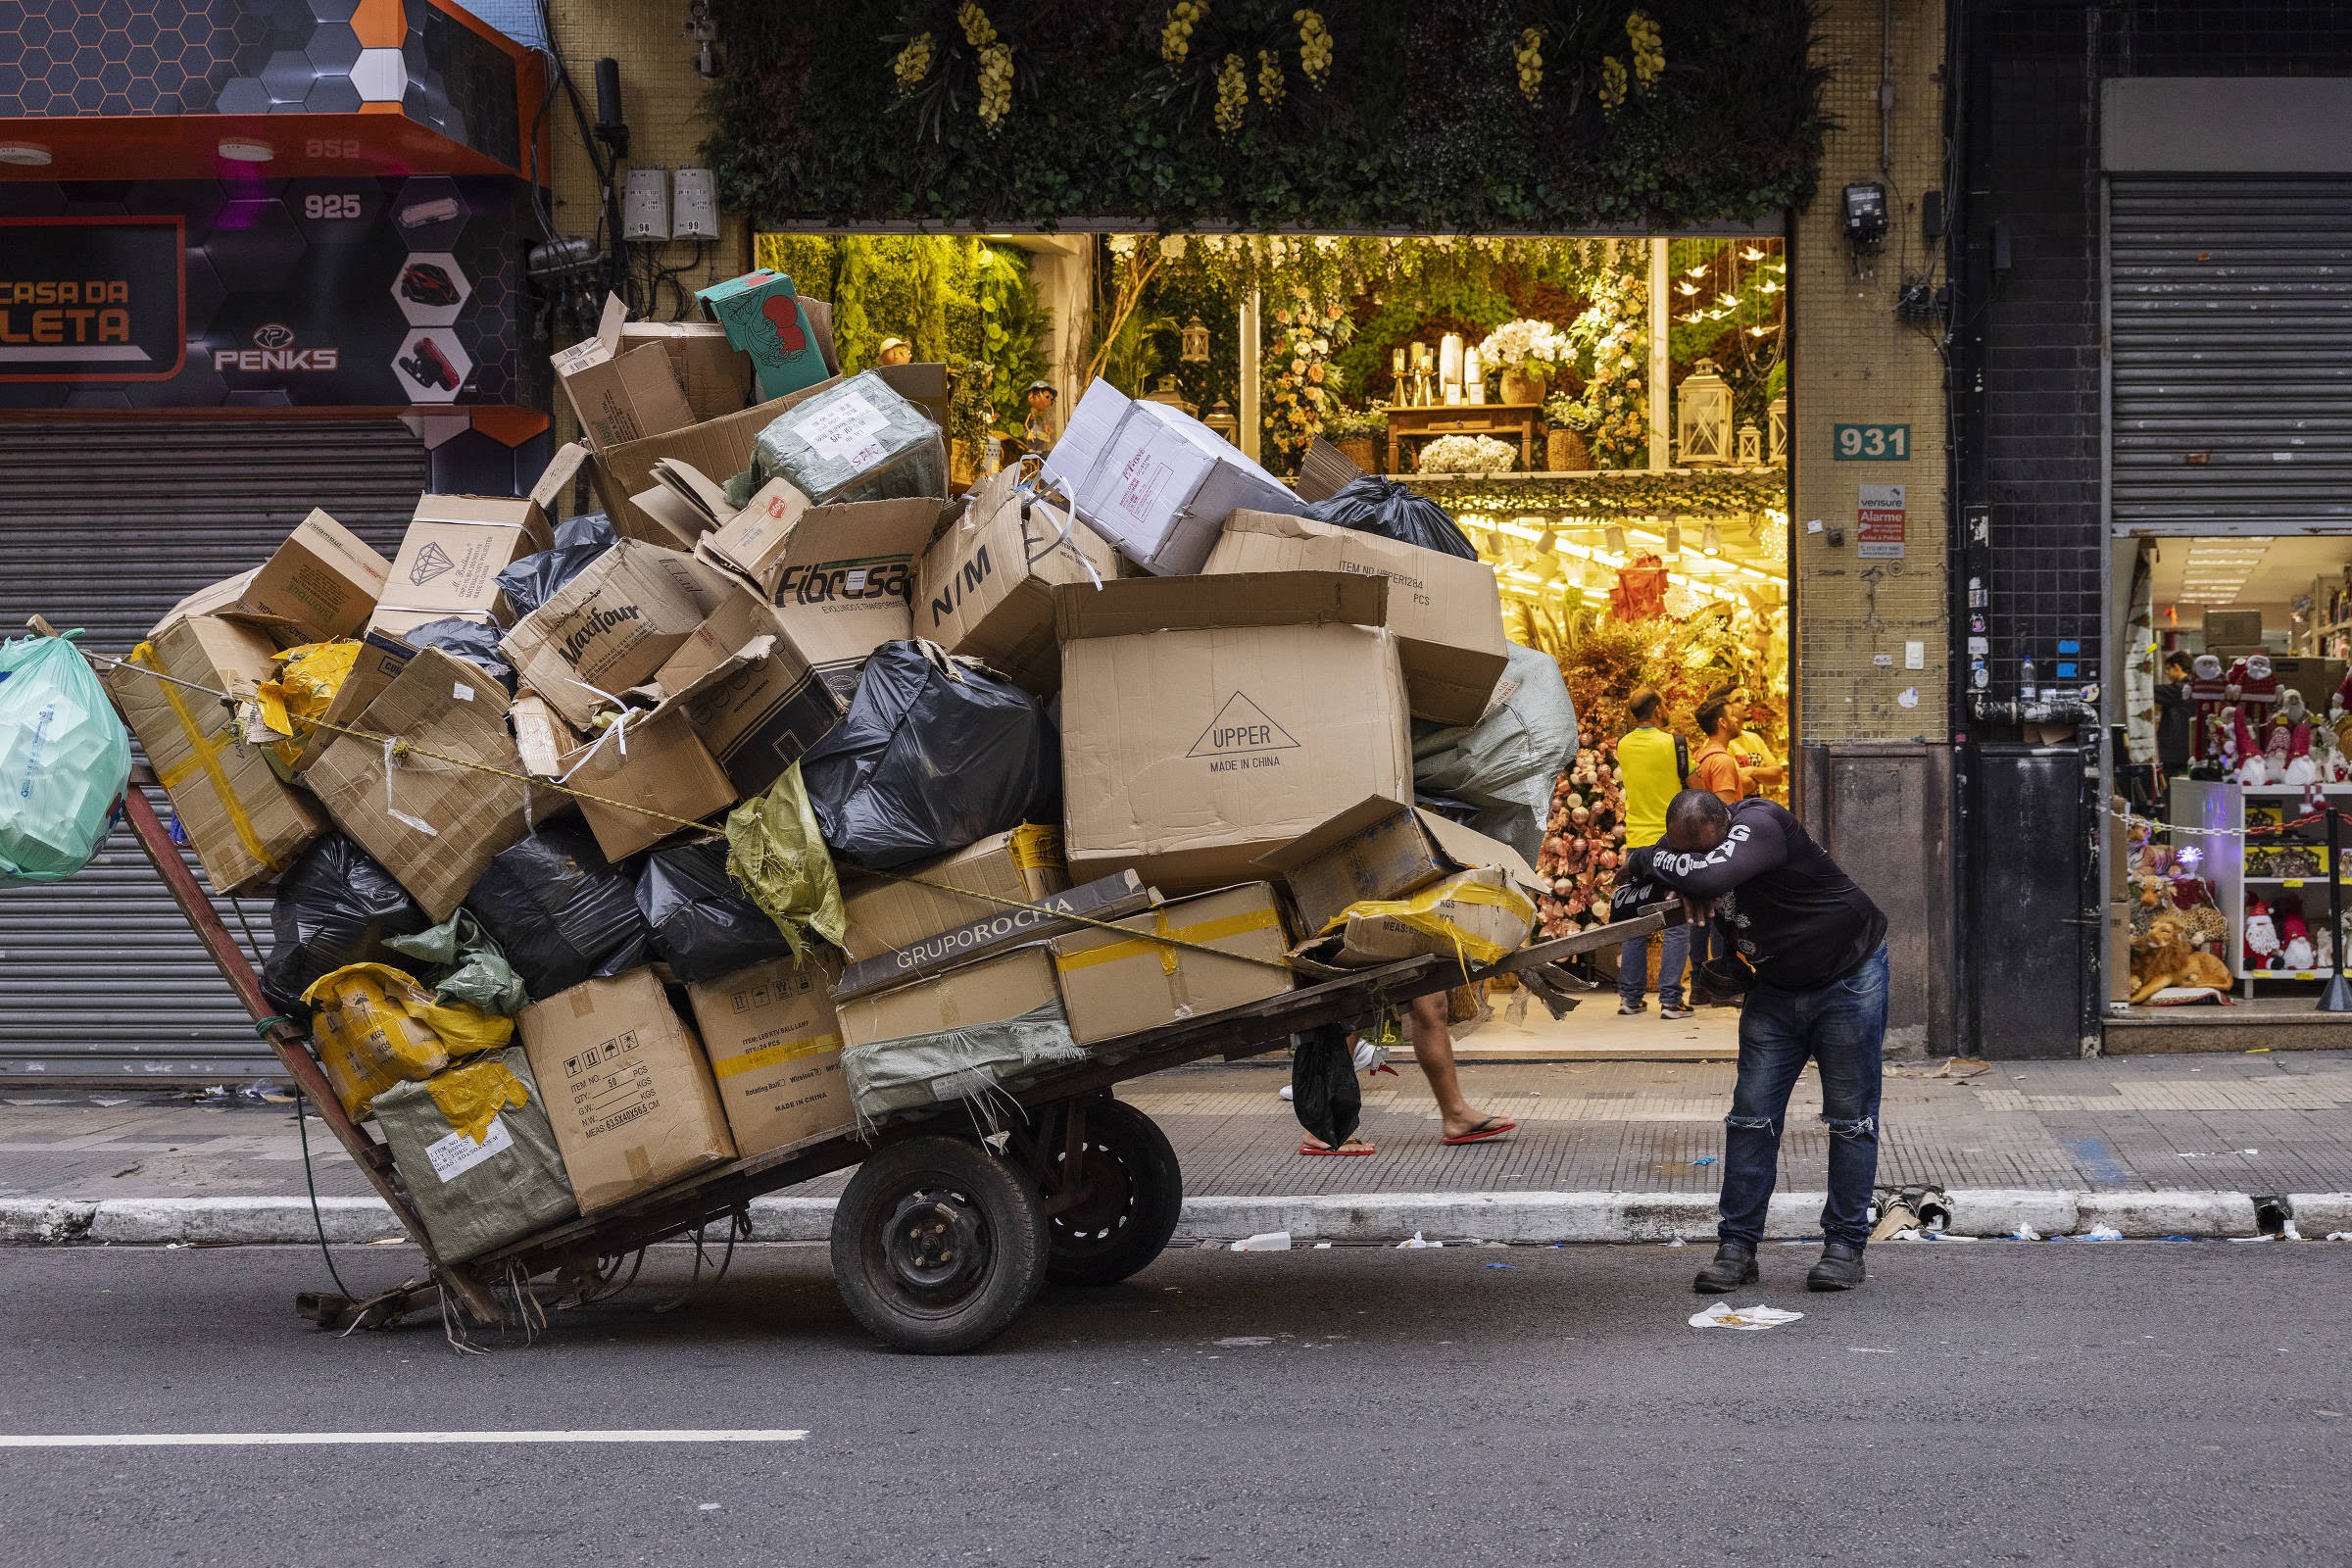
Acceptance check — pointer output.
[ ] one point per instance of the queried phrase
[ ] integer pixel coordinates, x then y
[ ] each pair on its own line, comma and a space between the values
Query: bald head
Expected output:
1696, 821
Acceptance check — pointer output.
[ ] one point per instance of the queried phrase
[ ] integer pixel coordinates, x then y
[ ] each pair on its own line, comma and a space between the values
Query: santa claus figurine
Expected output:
2208, 695
2262, 937
2253, 687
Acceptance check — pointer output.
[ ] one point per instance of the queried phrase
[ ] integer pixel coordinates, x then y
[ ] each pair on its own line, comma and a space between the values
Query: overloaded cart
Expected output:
808, 808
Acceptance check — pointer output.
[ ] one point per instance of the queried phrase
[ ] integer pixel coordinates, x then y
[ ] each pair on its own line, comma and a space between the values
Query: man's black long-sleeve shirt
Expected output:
1800, 919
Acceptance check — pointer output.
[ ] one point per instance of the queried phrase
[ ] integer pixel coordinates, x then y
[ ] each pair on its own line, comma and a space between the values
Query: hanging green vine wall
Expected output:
1374, 114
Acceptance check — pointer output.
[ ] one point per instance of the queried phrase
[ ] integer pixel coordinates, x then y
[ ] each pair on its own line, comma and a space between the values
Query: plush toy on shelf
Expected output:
2295, 952
2251, 763
2262, 937
2208, 694
2252, 685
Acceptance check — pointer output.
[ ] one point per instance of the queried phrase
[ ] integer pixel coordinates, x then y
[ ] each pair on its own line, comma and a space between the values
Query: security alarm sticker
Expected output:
1879, 517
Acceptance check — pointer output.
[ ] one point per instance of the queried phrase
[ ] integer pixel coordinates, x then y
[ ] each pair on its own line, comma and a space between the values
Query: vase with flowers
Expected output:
1568, 425
1525, 353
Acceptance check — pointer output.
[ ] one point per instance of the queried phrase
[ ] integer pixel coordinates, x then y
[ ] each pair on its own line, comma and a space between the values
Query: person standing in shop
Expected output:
1817, 948
2175, 711
1651, 765
1717, 765
1765, 773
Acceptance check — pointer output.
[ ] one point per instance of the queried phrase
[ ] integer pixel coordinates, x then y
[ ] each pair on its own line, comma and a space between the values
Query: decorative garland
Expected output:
1357, 114
1612, 495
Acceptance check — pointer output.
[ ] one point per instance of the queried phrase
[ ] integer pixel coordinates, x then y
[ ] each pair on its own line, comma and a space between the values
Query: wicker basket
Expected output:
1362, 451
1566, 451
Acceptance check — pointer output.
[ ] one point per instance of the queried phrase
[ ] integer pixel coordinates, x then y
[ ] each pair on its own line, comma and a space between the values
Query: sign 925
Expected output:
1871, 443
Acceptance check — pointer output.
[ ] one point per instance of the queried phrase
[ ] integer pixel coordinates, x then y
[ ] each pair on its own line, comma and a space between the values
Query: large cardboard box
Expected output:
620, 394
756, 702
1380, 848
1114, 985
1155, 481
1020, 866
774, 1046
321, 584
381, 656
986, 585
245, 822
1206, 721
1447, 612
988, 992
847, 582
665, 768
2316, 678
2224, 626
714, 375
612, 626
625, 1087
433, 820
721, 448
451, 557
1111, 898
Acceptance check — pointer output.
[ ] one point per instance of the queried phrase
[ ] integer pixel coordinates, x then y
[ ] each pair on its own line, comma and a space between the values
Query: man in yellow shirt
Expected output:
1650, 765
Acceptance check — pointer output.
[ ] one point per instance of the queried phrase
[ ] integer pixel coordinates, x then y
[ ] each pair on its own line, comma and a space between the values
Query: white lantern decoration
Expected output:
1751, 446
1776, 430
1703, 404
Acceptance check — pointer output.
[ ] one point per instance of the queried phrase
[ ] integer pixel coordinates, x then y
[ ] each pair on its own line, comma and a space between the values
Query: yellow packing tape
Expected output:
204, 752
1207, 931
770, 1055
472, 1097
1036, 846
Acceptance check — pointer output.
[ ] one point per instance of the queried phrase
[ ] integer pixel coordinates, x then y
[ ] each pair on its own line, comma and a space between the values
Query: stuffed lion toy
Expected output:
2162, 955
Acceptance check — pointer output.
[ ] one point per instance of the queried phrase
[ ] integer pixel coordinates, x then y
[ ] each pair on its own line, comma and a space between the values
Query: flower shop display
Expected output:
1301, 389
1525, 353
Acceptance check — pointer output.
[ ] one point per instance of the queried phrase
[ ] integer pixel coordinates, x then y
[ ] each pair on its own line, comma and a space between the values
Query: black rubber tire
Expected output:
1137, 1194
938, 1246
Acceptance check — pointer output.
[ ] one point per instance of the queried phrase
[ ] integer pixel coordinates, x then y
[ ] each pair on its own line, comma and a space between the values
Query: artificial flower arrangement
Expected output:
1528, 347
1468, 454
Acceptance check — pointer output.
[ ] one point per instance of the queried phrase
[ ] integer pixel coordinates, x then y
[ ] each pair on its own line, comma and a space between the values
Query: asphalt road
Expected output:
2132, 1404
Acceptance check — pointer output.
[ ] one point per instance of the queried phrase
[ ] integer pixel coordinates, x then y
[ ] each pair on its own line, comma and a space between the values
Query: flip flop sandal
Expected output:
1492, 1127
1347, 1149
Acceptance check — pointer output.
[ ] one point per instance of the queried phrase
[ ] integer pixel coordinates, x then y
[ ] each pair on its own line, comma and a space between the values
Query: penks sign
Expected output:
353, 292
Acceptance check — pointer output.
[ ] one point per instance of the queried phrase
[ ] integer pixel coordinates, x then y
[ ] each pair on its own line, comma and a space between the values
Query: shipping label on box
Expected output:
1114, 985
1275, 702
626, 1086
1447, 612
610, 626
985, 587
451, 557
1019, 866
245, 823
774, 1045
433, 820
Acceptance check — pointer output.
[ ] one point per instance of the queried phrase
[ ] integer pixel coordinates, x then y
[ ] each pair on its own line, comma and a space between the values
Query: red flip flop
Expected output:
1492, 1127
1345, 1151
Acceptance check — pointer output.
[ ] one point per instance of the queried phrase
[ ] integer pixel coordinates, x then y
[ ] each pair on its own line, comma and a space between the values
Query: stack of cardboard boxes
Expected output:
1236, 684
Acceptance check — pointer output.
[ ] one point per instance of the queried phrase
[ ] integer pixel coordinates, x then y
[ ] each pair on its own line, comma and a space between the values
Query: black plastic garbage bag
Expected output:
336, 907
1386, 508
468, 640
560, 911
703, 924
935, 754
1323, 1087
532, 581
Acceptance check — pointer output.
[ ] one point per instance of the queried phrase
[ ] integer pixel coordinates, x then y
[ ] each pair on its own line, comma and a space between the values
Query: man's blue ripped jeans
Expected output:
1843, 1026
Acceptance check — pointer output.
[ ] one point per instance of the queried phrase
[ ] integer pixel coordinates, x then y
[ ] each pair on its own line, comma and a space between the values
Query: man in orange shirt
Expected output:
1716, 767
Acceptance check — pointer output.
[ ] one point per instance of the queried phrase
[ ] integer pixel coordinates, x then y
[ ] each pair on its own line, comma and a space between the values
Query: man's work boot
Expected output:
1839, 1268
1734, 1265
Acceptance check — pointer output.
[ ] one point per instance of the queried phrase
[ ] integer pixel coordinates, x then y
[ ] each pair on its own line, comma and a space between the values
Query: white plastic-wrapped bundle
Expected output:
858, 441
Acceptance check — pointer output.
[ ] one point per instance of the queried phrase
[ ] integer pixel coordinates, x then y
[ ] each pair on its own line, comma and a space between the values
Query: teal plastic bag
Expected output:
64, 760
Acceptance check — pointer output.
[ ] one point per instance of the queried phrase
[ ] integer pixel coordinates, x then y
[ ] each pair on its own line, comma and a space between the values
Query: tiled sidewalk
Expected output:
2254, 1123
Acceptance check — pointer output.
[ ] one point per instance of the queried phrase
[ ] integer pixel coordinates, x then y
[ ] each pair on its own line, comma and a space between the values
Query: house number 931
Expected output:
1871, 443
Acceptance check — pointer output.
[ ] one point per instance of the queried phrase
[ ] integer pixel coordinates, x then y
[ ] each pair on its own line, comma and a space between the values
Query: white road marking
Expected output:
238, 1439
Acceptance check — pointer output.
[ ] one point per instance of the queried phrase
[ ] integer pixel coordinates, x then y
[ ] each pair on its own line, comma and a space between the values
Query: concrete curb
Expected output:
1526, 1218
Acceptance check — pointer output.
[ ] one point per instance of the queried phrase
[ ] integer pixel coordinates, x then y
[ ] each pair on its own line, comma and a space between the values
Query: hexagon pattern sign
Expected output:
355, 291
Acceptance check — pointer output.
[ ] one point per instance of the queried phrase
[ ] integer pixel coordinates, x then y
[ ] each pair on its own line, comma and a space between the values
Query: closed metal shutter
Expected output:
104, 526
2231, 343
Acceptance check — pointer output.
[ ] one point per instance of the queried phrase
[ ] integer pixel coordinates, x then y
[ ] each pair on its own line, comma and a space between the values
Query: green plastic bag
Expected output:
65, 759
777, 853
468, 966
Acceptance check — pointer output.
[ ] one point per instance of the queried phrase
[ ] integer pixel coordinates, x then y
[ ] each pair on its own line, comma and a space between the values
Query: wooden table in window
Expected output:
1522, 420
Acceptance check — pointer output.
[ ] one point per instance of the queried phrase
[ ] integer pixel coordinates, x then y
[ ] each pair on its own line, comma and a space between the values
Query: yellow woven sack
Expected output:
375, 1026
306, 680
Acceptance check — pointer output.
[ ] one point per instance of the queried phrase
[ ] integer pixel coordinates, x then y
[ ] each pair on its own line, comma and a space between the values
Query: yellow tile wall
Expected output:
1853, 363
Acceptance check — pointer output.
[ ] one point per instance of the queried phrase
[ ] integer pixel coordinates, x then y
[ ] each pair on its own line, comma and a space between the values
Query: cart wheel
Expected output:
938, 1246
1136, 1193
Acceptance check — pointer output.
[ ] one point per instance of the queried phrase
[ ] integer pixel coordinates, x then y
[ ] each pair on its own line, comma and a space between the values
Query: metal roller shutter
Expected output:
2231, 344
104, 526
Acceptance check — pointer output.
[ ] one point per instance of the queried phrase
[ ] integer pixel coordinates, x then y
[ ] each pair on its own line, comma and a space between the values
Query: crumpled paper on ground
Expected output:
1722, 1315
